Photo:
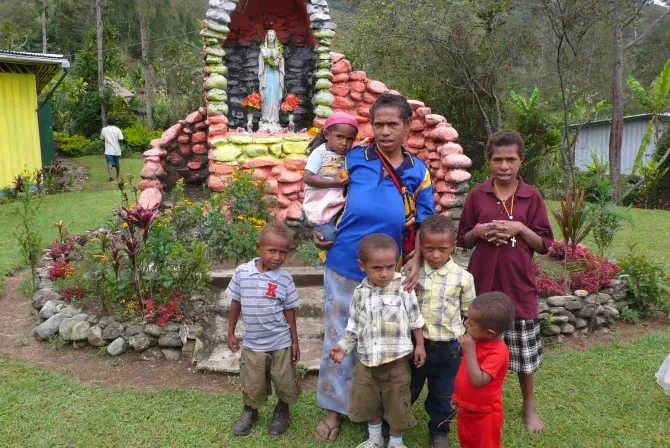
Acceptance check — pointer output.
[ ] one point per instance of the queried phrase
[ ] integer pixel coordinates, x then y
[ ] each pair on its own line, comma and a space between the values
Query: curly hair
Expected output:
505, 138
496, 310
438, 224
388, 100
277, 228
376, 241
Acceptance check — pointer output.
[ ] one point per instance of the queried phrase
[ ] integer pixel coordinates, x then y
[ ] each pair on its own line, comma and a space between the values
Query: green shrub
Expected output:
95, 148
309, 254
71, 145
648, 286
137, 137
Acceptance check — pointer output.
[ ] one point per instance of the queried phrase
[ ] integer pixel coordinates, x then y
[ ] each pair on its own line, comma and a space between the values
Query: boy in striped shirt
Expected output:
445, 291
267, 298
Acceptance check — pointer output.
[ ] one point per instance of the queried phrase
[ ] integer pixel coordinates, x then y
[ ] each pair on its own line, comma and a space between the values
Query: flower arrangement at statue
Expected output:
252, 103
313, 131
290, 104
274, 62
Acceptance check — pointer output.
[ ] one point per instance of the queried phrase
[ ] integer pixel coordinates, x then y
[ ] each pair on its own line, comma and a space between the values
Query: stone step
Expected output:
302, 276
312, 301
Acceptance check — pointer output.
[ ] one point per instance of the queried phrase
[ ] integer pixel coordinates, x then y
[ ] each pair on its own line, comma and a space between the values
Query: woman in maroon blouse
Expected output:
506, 221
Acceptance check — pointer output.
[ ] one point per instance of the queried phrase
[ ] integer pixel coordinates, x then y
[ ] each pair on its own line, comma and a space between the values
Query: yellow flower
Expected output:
92, 240
160, 224
125, 225
123, 300
133, 205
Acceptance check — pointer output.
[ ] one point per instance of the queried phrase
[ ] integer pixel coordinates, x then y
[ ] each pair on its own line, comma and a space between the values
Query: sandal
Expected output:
333, 431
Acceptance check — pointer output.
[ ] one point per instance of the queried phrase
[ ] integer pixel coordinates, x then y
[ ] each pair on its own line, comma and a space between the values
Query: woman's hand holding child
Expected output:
336, 354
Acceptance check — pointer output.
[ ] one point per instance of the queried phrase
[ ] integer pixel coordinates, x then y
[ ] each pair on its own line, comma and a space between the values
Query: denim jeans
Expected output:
327, 230
442, 362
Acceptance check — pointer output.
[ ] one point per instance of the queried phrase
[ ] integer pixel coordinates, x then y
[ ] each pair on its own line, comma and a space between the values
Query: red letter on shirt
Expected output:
272, 290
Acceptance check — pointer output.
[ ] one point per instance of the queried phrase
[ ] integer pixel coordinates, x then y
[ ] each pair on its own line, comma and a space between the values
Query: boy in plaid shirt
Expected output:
381, 317
444, 292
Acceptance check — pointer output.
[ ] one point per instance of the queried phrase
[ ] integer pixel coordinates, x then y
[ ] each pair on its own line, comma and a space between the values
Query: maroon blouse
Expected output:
506, 268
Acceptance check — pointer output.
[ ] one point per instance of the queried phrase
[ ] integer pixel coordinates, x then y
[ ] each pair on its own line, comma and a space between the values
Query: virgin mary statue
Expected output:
271, 76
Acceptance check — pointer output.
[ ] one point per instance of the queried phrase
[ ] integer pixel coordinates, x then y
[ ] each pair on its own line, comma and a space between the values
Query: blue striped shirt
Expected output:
264, 296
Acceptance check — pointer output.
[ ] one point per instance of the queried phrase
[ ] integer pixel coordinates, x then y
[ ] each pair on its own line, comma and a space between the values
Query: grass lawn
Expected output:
79, 211
98, 178
605, 396
650, 229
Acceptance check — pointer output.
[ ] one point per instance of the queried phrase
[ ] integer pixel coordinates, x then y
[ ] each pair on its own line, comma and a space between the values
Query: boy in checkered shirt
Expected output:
444, 292
382, 316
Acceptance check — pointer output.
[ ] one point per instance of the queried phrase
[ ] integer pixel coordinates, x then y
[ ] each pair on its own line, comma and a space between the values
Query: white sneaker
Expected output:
370, 443
395, 445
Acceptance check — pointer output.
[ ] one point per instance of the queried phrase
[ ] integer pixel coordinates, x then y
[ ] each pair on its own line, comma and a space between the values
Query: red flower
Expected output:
252, 103
290, 104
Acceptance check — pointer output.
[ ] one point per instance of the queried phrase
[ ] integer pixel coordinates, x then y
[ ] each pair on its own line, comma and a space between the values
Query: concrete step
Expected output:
302, 276
312, 301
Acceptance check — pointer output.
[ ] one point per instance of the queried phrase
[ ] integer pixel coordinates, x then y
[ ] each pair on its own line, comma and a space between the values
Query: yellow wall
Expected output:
19, 131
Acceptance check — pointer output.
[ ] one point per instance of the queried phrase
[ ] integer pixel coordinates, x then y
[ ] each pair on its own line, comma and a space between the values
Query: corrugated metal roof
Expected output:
44, 66
608, 122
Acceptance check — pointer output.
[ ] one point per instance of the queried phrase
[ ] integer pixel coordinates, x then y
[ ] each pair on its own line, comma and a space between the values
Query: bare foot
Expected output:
533, 422
329, 428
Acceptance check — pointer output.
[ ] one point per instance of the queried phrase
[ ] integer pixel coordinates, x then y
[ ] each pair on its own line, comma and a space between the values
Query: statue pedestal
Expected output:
266, 126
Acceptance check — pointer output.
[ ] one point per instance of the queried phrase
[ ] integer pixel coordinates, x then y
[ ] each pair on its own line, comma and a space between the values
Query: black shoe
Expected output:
246, 421
280, 420
439, 441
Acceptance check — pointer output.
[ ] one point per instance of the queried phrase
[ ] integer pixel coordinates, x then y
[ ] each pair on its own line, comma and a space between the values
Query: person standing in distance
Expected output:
112, 137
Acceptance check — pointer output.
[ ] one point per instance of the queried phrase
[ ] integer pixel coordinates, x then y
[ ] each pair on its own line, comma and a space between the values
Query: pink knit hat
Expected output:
341, 118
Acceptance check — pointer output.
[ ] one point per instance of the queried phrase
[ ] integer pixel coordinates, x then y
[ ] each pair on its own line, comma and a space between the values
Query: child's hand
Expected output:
467, 343
233, 343
342, 179
419, 356
336, 354
295, 353
454, 405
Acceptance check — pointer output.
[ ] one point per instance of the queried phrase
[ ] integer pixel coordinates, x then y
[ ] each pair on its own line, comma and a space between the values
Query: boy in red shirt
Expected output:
480, 378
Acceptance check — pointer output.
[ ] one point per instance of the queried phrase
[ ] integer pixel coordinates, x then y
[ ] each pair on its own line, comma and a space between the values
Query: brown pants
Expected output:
255, 387
382, 391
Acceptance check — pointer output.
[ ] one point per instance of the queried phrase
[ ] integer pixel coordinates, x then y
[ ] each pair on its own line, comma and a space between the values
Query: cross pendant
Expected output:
513, 240
511, 217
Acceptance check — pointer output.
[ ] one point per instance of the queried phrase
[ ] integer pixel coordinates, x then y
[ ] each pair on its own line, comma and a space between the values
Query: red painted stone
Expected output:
431, 145
184, 151
439, 174
356, 96
423, 111
434, 120
440, 187
280, 214
174, 159
340, 77
434, 165
358, 76
220, 168
283, 201
369, 98
150, 183
358, 86
416, 125
433, 155
289, 176
451, 200
450, 148
258, 163
376, 87
170, 134
444, 133
199, 149
201, 126
217, 119
215, 183
365, 130
394, 92
155, 143
364, 111
197, 163
361, 119
335, 57
184, 139
187, 130
262, 173
457, 161
438, 208
415, 141
295, 210
150, 198
294, 187
152, 170
193, 117
341, 66
293, 196
272, 185
457, 176
340, 89
414, 104
152, 159
320, 122
343, 102
295, 164
199, 137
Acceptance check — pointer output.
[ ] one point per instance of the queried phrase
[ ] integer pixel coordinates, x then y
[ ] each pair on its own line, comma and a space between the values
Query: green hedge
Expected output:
136, 139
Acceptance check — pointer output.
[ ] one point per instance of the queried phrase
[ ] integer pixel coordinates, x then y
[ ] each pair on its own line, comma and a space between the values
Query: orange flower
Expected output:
290, 104
252, 103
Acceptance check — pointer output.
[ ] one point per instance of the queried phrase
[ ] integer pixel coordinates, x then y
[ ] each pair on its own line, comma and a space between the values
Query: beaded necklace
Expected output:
511, 208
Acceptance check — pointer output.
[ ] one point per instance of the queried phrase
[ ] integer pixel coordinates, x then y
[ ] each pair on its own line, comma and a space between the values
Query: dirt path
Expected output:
18, 320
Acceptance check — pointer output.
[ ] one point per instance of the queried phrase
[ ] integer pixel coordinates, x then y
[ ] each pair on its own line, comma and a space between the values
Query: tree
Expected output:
12, 36
44, 26
144, 12
572, 24
621, 9
101, 61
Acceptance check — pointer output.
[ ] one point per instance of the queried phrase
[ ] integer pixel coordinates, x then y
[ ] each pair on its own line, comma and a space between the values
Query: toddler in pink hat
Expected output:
325, 175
